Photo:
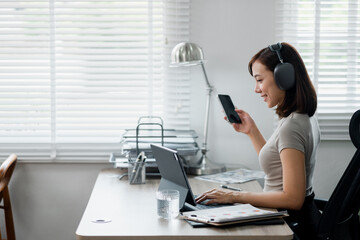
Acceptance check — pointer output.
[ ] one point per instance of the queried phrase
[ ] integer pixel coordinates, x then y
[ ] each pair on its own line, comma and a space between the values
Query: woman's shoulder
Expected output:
297, 117
296, 121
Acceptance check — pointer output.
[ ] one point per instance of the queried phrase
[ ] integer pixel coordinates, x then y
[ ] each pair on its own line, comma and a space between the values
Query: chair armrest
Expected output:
320, 203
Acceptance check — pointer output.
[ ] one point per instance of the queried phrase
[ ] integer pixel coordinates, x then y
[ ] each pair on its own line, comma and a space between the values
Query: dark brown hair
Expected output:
302, 97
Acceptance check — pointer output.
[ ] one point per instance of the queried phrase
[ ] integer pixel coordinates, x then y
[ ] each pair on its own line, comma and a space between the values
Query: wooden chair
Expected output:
6, 170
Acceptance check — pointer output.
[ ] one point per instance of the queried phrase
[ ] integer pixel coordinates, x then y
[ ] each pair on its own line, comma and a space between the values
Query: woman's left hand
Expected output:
217, 196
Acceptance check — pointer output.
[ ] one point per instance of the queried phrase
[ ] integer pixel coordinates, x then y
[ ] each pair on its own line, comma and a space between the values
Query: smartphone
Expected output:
229, 108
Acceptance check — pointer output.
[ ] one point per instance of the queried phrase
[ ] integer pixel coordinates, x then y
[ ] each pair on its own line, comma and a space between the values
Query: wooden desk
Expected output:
132, 211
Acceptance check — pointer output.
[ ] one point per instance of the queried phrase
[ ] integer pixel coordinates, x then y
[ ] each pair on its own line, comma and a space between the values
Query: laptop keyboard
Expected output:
203, 206
188, 207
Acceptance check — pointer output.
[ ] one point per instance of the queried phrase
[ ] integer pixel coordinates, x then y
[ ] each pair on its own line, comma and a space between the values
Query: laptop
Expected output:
173, 176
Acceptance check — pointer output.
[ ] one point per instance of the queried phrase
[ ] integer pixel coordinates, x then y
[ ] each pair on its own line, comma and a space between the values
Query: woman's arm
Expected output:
292, 196
249, 127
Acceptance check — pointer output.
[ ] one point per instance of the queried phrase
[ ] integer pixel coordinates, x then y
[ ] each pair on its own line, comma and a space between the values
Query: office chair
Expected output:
340, 219
6, 170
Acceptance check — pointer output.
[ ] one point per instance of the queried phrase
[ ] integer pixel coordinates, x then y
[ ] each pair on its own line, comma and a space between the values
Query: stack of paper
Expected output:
240, 175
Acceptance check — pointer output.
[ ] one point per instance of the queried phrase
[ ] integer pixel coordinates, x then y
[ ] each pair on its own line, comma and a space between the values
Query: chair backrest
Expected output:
339, 219
6, 171
315, 130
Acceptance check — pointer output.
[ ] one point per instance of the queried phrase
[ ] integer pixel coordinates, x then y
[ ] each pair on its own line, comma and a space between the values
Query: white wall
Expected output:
230, 33
49, 199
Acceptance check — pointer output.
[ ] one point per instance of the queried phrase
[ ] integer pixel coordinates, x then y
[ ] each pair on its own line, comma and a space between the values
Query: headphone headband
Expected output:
277, 48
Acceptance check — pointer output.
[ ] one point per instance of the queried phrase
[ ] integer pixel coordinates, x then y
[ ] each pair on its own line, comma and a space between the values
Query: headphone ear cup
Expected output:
284, 75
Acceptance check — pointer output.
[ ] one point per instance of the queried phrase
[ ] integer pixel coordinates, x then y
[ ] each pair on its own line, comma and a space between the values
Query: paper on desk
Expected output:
236, 176
240, 212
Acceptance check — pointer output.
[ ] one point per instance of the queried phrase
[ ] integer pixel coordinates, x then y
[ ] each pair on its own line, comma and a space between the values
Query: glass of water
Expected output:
168, 203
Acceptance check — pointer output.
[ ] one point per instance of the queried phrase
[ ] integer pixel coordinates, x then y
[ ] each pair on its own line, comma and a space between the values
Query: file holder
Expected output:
148, 124
150, 130
139, 139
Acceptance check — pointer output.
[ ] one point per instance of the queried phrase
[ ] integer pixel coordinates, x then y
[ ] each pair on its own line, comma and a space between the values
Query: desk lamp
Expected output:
190, 54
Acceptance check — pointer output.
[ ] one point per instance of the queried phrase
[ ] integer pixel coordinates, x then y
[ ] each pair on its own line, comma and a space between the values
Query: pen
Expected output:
137, 167
231, 188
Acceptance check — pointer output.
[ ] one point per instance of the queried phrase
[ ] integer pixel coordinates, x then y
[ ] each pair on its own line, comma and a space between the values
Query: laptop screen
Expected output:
172, 173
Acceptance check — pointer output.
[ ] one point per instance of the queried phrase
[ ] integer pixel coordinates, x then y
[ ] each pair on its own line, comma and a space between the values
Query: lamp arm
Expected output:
206, 78
208, 101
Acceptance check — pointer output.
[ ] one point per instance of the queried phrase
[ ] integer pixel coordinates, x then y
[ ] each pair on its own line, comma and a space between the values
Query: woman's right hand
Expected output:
247, 123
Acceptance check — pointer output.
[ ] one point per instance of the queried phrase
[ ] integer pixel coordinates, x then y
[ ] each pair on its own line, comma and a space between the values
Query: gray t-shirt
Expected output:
297, 131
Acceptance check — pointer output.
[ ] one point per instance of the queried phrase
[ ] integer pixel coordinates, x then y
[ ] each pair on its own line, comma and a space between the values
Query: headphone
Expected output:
284, 73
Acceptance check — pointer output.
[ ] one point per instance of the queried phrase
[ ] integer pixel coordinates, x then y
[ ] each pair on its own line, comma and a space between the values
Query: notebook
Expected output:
173, 176
239, 213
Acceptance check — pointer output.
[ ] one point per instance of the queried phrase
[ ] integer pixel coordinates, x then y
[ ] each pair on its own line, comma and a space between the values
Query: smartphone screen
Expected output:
229, 108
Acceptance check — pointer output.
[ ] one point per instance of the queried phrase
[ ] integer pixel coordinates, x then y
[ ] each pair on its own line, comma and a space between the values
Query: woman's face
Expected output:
266, 86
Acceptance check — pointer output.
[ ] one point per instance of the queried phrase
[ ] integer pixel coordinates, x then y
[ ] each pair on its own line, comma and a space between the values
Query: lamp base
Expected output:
205, 167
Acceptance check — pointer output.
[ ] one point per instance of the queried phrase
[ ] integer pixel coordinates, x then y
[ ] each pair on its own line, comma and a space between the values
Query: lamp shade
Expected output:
186, 54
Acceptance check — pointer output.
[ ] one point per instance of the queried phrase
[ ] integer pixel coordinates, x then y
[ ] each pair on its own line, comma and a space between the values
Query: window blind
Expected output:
326, 34
75, 74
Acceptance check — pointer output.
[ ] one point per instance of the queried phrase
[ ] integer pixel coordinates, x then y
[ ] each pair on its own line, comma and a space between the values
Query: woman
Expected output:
288, 156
